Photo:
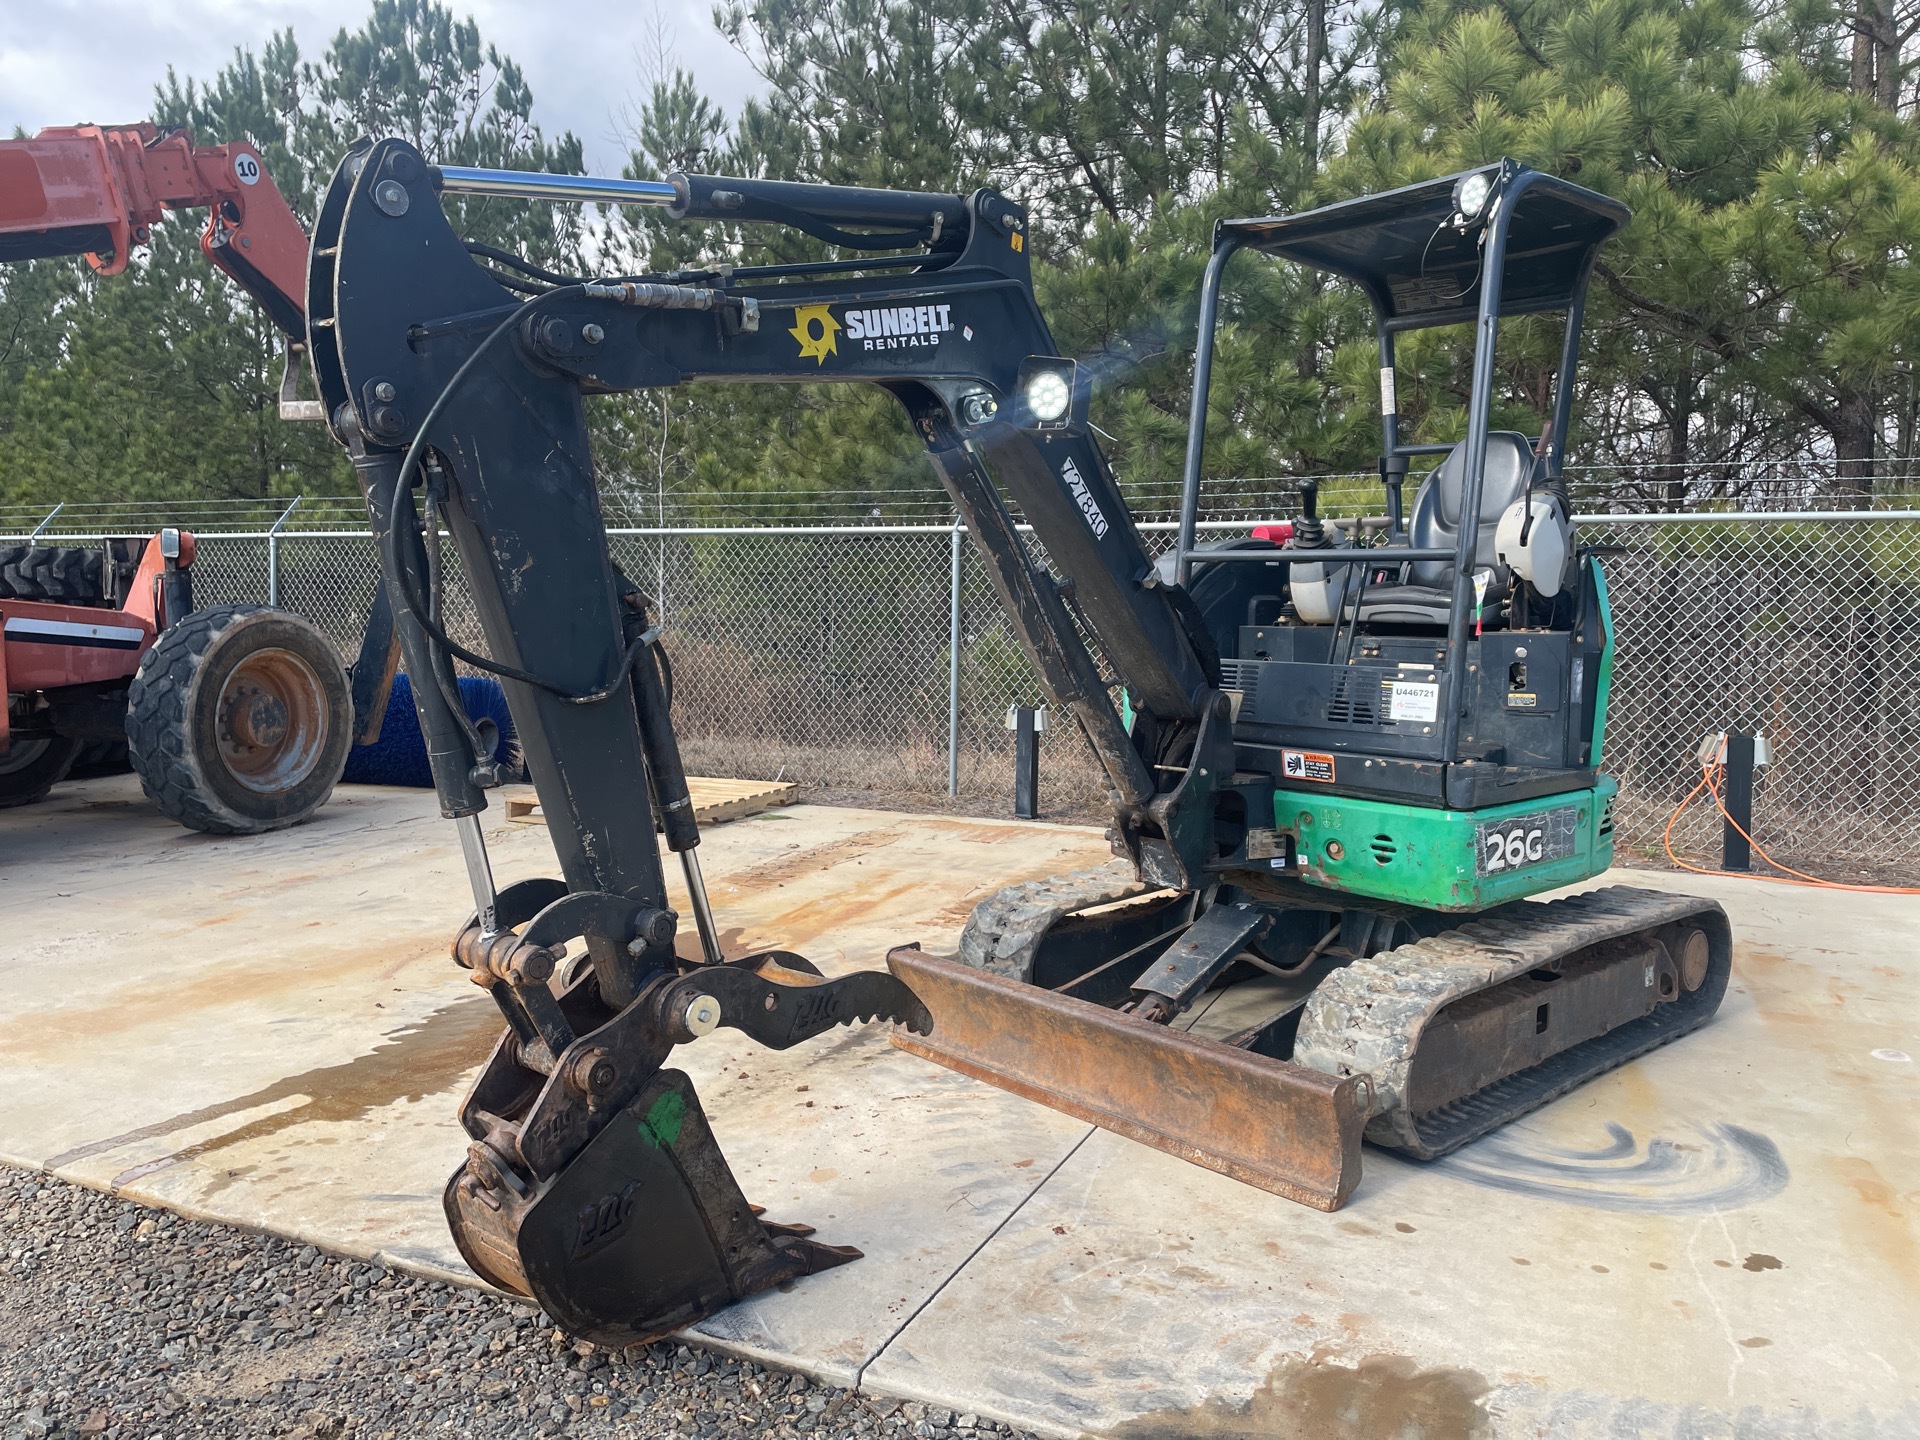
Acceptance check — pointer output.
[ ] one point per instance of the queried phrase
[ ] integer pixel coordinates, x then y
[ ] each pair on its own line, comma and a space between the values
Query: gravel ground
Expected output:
122, 1321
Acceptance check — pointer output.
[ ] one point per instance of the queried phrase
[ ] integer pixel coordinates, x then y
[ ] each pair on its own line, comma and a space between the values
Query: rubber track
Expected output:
1367, 1017
1006, 928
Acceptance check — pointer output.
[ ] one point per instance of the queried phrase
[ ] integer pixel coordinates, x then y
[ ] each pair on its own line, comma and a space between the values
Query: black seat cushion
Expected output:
1442, 496
1428, 595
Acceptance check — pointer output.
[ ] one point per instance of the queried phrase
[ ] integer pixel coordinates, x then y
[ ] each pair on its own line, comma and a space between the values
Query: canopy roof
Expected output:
1420, 270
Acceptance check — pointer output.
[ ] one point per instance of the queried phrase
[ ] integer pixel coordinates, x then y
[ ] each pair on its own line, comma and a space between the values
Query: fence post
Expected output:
273, 553
953, 660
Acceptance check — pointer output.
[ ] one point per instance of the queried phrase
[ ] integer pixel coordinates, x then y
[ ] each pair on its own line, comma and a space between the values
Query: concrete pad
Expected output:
1718, 1239
268, 1031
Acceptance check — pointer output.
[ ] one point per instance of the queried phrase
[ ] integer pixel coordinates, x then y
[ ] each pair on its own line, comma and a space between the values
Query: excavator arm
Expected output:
592, 1182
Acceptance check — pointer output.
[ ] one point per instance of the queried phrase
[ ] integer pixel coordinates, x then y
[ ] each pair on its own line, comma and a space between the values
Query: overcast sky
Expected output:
66, 62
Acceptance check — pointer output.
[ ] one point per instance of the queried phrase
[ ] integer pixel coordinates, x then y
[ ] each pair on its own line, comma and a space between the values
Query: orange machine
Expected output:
237, 717
96, 190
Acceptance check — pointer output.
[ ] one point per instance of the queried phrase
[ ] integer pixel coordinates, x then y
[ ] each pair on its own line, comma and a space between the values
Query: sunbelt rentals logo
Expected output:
817, 331
1089, 507
900, 327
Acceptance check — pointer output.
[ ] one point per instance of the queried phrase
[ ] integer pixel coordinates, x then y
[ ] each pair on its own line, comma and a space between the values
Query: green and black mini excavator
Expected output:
1342, 766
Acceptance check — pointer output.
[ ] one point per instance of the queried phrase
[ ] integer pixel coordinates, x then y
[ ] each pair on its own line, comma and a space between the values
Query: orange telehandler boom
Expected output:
97, 190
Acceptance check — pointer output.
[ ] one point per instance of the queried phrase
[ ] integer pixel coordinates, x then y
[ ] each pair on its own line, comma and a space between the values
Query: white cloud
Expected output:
63, 62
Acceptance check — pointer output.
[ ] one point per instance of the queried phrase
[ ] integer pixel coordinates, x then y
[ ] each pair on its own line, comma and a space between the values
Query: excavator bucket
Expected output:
1281, 1127
645, 1231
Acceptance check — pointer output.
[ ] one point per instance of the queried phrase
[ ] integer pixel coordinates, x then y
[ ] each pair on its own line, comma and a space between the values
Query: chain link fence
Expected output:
873, 663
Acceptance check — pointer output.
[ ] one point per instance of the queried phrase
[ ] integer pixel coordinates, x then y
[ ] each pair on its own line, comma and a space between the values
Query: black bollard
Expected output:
1736, 851
1026, 722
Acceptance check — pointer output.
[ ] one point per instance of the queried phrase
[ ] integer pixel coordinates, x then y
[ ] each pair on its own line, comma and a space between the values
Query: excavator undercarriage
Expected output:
1345, 765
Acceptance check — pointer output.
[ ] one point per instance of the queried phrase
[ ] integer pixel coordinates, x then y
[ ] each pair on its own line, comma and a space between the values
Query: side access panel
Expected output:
1451, 860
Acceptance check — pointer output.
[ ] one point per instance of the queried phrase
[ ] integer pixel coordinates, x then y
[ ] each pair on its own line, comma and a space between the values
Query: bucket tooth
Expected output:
1268, 1123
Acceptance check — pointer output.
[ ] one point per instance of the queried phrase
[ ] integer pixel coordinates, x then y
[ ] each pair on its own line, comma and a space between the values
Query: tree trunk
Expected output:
1853, 446
1865, 25
1886, 55
1875, 57
1679, 436
1316, 59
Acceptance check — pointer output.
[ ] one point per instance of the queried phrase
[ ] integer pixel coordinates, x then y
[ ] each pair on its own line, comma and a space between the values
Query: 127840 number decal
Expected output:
1505, 845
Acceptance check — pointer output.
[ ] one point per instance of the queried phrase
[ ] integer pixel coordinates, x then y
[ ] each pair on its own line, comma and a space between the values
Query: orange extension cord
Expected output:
1710, 782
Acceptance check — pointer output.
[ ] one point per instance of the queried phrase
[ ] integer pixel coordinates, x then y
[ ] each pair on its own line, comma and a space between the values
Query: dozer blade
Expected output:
643, 1232
1288, 1130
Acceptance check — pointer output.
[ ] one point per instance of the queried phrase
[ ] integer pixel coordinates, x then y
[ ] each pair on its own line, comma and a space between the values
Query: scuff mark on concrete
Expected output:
1735, 1167
423, 1059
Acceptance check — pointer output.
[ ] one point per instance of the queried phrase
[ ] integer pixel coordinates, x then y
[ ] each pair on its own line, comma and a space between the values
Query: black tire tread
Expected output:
30, 786
157, 738
53, 574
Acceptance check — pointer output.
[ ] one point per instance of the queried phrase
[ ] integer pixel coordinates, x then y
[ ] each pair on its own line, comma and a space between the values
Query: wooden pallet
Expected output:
714, 799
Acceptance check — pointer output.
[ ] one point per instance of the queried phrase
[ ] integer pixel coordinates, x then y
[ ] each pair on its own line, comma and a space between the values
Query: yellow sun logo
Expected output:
815, 328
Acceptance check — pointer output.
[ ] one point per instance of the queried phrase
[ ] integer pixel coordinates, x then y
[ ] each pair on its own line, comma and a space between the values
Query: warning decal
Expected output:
1307, 765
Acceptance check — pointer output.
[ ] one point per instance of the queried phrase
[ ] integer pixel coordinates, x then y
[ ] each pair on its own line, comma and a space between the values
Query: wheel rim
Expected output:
23, 754
272, 721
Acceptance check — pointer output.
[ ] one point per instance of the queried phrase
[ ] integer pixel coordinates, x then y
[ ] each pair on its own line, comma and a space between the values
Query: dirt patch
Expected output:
1384, 1397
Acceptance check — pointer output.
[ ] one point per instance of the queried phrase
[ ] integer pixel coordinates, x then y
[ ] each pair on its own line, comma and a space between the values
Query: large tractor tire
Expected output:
58, 574
30, 768
239, 720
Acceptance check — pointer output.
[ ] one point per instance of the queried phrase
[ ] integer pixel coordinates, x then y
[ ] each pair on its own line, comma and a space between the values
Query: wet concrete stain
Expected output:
1383, 1397
1732, 1168
1760, 1262
410, 1064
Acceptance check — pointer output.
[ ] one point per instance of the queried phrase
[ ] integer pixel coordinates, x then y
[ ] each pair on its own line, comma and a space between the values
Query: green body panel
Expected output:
1432, 858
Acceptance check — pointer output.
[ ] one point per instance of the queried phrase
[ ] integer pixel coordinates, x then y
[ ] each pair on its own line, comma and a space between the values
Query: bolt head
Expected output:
703, 1015
384, 392
392, 198
593, 334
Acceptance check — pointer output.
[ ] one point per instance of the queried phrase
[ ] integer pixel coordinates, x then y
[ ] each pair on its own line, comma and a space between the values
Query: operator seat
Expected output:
1428, 595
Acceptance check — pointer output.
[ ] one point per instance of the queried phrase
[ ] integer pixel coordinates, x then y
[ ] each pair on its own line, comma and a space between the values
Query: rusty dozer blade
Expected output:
1281, 1127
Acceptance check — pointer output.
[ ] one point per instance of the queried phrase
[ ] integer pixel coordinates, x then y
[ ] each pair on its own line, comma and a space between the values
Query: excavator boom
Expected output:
592, 1181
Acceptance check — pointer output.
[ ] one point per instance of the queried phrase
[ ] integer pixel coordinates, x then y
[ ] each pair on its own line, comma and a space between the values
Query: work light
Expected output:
1052, 393
1470, 194
1048, 396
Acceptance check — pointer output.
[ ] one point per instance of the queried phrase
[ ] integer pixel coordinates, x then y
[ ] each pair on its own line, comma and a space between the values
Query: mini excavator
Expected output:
1341, 768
